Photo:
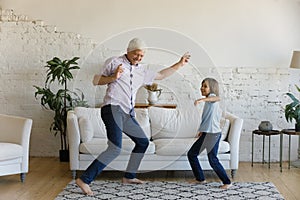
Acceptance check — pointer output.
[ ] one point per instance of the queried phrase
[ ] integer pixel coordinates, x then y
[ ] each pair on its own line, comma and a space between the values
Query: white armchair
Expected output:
14, 144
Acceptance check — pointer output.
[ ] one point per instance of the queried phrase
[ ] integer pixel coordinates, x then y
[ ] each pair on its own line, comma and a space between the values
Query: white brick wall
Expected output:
253, 93
25, 46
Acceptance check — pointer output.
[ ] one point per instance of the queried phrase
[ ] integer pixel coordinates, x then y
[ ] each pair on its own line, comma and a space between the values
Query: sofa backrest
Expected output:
156, 122
179, 123
91, 124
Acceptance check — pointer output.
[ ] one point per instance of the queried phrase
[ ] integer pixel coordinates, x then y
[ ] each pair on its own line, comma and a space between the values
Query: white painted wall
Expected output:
250, 43
248, 33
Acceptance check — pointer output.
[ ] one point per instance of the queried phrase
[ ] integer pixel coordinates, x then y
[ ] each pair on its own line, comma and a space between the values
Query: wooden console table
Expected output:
146, 105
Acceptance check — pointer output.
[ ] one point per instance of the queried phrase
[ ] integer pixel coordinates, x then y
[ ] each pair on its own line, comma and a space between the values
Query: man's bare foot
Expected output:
225, 186
197, 182
132, 181
84, 187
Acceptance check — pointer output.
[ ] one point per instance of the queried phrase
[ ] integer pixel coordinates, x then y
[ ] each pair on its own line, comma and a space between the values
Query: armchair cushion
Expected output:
10, 151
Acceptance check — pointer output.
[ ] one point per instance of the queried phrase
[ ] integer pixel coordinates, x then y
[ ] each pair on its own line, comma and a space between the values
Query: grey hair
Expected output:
213, 85
135, 44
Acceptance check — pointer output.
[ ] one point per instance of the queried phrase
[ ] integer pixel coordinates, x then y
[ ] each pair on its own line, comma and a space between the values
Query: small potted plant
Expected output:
153, 93
292, 110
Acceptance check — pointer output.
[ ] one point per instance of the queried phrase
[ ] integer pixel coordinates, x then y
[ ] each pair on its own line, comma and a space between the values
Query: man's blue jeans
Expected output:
117, 121
210, 142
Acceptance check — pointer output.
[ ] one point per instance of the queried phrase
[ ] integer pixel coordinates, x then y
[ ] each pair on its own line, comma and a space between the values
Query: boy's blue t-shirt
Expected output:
211, 117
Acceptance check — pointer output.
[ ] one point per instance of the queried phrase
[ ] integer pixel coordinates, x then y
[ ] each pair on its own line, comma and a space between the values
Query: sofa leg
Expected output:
73, 174
22, 177
233, 173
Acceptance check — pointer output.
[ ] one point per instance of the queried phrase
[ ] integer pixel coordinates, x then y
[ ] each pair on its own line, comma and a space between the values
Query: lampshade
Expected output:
295, 63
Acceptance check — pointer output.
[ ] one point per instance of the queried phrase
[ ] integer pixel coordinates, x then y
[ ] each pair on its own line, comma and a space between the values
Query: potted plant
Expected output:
153, 93
292, 110
62, 99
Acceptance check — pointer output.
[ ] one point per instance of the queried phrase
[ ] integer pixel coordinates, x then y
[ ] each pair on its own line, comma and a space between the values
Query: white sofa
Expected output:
170, 131
14, 144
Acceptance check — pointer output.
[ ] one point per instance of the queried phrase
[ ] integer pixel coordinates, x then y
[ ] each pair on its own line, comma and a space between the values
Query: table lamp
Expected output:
295, 63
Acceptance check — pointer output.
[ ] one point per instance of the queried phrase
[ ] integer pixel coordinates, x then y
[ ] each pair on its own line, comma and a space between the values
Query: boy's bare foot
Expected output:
84, 187
225, 186
197, 182
132, 181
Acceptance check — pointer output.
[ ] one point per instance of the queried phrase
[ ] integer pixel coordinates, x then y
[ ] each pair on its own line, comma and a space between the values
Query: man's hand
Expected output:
118, 71
170, 70
185, 58
103, 80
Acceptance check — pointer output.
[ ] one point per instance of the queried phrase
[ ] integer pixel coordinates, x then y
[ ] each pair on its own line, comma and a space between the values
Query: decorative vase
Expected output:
265, 126
153, 96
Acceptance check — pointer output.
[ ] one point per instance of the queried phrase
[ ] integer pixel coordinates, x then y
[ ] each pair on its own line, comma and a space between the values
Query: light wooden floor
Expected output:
48, 177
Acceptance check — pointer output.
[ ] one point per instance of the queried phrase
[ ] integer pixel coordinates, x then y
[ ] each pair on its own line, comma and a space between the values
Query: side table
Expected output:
264, 133
288, 132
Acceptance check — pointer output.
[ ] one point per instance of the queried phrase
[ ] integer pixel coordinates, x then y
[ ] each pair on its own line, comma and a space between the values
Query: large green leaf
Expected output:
292, 110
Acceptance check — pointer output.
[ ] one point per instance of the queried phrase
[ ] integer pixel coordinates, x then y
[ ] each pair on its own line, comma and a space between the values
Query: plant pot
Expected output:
297, 127
64, 156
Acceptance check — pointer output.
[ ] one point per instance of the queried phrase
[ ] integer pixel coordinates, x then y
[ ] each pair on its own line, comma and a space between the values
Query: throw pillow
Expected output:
142, 117
164, 122
224, 124
86, 129
94, 116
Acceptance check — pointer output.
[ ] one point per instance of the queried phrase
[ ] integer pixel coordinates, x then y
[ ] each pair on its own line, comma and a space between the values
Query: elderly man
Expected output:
124, 75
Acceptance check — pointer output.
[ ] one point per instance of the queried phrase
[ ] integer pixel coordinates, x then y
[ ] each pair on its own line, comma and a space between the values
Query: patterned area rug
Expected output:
172, 190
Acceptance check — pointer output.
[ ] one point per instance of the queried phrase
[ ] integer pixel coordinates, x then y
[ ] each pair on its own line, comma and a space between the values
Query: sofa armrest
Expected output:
74, 139
236, 125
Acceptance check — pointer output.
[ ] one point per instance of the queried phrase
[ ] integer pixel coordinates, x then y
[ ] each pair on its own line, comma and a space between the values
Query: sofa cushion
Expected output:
178, 147
94, 116
225, 125
10, 151
98, 145
164, 122
173, 123
142, 116
86, 129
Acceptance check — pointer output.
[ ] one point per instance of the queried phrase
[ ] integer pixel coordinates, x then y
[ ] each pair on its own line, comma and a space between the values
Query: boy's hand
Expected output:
199, 134
198, 101
208, 99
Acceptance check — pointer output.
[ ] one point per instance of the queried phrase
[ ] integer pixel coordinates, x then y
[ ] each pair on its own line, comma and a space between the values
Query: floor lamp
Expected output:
295, 63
